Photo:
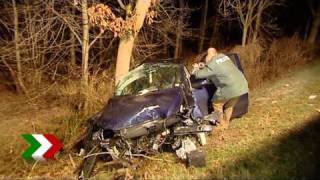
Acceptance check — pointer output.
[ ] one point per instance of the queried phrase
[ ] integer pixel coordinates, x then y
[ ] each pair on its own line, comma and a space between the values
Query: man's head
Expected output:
211, 52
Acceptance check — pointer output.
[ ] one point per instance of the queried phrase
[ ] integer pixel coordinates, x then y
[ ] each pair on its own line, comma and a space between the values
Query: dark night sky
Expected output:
291, 17
294, 16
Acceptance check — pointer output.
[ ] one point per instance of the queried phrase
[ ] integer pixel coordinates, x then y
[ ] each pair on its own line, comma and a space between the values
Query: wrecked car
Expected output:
157, 106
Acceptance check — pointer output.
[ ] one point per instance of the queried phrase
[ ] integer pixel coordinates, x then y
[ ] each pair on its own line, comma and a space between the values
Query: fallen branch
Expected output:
72, 161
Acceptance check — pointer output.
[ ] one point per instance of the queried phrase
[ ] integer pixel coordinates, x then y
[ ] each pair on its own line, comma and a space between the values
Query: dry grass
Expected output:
58, 109
99, 89
68, 93
55, 108
83, 102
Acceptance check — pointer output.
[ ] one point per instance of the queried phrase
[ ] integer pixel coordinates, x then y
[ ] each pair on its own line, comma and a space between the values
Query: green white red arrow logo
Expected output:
42, 146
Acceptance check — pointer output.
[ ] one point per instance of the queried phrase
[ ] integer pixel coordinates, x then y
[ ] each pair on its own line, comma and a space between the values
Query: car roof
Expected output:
162, 61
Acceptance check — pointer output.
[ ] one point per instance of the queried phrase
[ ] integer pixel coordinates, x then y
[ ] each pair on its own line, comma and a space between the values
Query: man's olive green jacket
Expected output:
224, 74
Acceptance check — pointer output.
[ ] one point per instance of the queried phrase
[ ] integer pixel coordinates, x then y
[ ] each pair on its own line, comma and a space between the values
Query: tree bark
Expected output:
124, 57
165, 45
101, 48
73, 50
315, 27
244, 35
126, 43
247, 19
73, 44
203, 26
178, 48
85, 54
85, 43
20, 87
256, 29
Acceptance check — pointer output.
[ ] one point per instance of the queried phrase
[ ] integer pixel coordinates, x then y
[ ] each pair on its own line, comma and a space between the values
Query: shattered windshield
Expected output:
149, 77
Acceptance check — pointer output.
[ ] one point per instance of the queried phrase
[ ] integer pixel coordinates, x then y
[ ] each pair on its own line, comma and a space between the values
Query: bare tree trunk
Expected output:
73, 50
85, 53
73, 44
20, 86
32, 39
247, 19
124, 57
85, 43
165, 45
244, 35
203, 26
178, 43
101, 48
126, 44
315, 27
256, 29
12, 72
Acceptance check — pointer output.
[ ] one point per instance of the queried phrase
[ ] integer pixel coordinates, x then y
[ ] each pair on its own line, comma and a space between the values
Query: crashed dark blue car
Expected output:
156, 106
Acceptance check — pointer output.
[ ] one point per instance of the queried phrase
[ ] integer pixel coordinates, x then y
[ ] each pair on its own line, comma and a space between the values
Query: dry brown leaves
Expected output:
102, 16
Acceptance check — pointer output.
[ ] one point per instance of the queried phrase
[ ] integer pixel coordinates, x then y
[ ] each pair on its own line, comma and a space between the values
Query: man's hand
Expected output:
196, 66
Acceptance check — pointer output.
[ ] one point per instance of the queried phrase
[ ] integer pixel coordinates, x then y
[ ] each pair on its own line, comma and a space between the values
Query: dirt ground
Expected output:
278, 138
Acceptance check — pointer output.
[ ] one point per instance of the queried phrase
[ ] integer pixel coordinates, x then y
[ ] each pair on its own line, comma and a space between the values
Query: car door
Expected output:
242, 105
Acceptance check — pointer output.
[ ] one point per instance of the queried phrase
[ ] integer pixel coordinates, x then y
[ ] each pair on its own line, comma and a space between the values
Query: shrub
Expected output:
83, 102
251, 59
99, 89
263, 63
286, 53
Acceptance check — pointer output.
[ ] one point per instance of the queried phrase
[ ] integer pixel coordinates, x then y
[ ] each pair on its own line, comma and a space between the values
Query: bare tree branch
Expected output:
97, 37
121, 4
67, 22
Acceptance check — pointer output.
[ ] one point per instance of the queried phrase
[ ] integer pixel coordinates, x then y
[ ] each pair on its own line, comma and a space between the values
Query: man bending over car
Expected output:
229, 80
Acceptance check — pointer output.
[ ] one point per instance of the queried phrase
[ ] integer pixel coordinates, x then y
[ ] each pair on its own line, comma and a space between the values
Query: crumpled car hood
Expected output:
125, 111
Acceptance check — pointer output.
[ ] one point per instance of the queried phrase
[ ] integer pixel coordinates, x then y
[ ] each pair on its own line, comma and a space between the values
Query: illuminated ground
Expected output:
278, 138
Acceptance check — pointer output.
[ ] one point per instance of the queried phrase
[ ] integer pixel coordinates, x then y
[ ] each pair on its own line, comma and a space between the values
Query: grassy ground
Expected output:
278, 139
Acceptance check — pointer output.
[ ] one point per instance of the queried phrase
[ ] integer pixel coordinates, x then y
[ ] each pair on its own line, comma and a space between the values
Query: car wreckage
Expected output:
157, 106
